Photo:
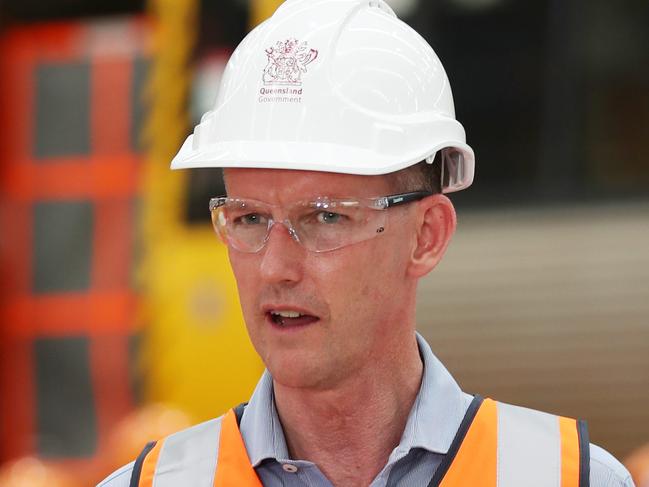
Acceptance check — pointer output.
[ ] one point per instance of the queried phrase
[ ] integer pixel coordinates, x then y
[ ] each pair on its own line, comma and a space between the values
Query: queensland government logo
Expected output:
282, 76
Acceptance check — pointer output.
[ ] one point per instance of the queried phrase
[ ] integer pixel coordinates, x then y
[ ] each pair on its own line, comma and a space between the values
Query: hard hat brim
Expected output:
311, 156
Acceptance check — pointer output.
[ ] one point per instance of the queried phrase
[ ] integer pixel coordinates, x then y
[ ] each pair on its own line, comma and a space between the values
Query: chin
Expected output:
295, 372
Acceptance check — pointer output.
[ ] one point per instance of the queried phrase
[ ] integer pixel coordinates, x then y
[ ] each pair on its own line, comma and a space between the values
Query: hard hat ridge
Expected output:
331, 85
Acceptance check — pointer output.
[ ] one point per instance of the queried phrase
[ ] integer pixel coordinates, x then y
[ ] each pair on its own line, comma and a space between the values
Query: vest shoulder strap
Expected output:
540, 449
509, 446
187, 457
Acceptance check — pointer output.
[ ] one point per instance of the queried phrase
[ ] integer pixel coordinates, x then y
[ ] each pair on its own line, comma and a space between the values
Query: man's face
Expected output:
359, 296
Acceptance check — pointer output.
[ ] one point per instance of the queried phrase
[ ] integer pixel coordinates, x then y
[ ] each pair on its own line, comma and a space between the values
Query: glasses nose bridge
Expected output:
287, 224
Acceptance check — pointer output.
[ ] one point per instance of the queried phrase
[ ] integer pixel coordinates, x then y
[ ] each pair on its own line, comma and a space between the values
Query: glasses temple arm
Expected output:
400, 199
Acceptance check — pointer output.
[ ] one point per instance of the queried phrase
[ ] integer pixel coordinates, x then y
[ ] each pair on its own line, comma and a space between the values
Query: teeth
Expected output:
287, 314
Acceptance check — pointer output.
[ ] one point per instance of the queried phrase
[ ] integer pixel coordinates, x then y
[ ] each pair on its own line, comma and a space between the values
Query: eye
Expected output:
250, 219
329, 217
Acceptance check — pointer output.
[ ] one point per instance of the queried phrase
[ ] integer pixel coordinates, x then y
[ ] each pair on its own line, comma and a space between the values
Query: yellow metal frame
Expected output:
196, 354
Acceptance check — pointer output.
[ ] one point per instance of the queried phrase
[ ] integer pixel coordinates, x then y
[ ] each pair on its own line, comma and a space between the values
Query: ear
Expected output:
436, 223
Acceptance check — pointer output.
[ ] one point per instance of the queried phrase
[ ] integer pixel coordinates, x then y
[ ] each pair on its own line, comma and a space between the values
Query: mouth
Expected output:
290, 319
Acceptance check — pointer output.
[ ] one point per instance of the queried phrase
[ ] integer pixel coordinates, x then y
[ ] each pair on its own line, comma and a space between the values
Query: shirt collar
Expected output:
260, 426
438, 409
432, 423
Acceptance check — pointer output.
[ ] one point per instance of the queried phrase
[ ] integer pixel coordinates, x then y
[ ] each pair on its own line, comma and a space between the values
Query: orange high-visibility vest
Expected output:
497, 445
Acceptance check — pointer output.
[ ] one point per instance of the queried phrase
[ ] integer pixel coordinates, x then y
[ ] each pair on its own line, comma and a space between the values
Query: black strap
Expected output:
137, 467
469, 416
584, 454
238, 411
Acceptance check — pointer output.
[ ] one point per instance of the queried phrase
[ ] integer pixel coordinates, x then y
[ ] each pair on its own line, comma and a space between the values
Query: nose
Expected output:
282, 256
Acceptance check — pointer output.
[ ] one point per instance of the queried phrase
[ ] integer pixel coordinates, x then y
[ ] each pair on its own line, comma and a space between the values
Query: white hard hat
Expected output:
332, 85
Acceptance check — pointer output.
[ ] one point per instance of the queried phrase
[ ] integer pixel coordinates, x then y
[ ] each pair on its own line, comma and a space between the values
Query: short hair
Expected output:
422, 176
419, 177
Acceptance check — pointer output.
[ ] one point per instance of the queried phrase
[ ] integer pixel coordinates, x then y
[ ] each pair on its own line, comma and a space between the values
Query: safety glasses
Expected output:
320, 225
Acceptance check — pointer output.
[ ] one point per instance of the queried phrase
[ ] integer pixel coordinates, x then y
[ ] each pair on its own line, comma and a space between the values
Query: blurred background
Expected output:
119, 320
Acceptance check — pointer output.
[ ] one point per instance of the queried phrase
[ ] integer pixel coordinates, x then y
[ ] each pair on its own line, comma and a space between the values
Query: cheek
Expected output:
360, 278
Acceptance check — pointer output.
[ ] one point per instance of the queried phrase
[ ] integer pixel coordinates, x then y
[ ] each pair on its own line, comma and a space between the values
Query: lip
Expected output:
267, 308
310, 318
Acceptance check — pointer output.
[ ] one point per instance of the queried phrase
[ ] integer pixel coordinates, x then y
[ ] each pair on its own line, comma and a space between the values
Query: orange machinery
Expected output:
69, 182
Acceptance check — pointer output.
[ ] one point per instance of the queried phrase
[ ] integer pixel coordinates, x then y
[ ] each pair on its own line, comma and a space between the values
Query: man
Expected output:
335, 125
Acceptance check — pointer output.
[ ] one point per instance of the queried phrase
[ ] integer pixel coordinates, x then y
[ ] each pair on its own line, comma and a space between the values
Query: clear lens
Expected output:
320, 225
330, 224
244, 224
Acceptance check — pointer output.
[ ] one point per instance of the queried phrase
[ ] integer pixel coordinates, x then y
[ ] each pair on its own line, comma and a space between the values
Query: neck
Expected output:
350, 429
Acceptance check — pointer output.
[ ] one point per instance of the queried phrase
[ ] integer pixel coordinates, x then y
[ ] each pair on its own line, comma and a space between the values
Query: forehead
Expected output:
280, 185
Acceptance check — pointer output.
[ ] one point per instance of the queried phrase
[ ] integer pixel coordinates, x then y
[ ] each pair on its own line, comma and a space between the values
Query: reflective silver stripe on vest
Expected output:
189, 457
529, 448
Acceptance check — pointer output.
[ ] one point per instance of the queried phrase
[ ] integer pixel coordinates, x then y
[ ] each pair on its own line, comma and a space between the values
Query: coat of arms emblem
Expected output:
287, 61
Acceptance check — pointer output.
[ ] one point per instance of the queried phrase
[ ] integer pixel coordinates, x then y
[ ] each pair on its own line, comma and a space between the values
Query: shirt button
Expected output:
289, 468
